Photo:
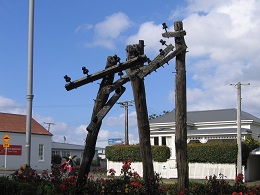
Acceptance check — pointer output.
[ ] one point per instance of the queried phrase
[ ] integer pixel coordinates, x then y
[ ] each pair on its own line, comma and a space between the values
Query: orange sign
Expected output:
6, 145
6, 138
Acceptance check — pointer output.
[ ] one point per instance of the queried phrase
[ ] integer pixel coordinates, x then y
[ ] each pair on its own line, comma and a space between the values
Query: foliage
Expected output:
77, 161
27, 182
118, 153
153, 116
56, 159
67, 157
214, 152
219, 152
161, 153
96, 163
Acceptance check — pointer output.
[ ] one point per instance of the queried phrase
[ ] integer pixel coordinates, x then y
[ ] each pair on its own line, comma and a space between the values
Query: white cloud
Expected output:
151, 34
112, 26
110, 30
222, 39
8, 105
120, 120
83, 28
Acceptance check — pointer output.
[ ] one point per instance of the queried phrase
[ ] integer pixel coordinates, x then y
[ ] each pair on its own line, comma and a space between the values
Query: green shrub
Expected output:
119, 153
56, 159
161, 153
219, 152
212, 152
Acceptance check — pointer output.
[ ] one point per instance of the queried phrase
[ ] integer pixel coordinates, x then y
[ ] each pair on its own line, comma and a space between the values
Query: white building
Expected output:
66, 149
203, 127
14, 127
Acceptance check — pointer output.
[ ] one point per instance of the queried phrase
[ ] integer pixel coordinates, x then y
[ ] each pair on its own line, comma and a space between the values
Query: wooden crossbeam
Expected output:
141, 72
111, 70
126, 78
153, 65
103, 112
180, 33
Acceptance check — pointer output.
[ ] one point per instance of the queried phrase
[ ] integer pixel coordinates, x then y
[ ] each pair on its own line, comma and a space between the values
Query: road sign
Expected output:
6, 145
6, 138
114, 141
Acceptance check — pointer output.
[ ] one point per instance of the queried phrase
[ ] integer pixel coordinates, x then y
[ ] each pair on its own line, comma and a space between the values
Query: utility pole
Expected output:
138, 89
49, 125
239, 145
125, 105
136, 71
181, 106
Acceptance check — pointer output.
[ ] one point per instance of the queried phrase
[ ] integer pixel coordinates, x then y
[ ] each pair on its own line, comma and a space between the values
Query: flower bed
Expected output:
27, 181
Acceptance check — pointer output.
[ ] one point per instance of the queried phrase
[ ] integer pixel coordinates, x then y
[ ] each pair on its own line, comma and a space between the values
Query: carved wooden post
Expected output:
91, 139
142, 119
181, 113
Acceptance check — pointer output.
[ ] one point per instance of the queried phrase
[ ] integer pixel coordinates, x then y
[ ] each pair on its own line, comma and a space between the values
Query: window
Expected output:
55, 152
164, 141
65, 153
156, 141
41, 152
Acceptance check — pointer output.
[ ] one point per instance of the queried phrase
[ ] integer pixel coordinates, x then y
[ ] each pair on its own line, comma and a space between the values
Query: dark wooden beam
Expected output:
138, 88
180, 33
111, 70
91, 140
103, 112
181, 113
143, 71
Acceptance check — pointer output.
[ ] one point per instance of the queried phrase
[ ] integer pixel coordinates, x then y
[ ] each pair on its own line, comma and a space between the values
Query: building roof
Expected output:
207, 116
67, 146
16, 123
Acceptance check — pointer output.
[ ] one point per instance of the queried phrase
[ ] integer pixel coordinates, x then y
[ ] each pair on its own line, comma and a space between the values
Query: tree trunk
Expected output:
181, 114
138, 88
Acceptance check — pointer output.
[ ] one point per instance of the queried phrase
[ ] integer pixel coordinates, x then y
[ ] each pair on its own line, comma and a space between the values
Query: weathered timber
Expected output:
180, 33
103, 112
158, 62
153, 65
181, 113
89, 150
143, 71
99, 75
108, 89
138, 88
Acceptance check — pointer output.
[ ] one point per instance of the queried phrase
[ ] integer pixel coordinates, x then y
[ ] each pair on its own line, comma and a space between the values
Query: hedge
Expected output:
220, 152
119, 153
212, 152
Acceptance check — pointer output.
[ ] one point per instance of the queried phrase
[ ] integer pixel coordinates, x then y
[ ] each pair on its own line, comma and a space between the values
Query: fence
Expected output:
169, 169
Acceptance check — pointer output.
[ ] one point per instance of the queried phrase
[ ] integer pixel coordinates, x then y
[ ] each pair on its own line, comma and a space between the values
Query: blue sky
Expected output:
223, 44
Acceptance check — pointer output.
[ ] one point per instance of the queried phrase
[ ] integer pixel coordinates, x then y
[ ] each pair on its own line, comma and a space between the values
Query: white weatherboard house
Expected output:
14, 127
203, 127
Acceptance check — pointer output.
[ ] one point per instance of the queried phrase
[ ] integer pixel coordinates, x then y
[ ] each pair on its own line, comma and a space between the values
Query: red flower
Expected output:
63, 187
135, 184
111, 170
181, 193
136, 175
